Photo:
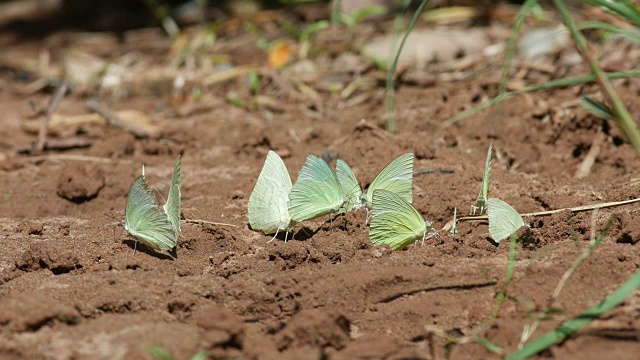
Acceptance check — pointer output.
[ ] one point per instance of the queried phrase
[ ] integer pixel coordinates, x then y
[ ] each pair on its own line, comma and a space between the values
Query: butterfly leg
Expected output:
368, 217
431, 233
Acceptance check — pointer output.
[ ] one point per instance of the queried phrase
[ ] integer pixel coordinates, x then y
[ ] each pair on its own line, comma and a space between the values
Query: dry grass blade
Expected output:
137, 129
584, 169
51, 107
225, 75
205, 222
577, 209
75, 158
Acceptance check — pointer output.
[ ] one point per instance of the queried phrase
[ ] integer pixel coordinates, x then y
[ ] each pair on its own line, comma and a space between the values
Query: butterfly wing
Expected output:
349, 185
145, 220
172, 207
481, 201
395, 177
268, 202
504, 220
487, 175
316, 192
395, 222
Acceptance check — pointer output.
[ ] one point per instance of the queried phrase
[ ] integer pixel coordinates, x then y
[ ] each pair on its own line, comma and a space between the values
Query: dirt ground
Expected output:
72, 288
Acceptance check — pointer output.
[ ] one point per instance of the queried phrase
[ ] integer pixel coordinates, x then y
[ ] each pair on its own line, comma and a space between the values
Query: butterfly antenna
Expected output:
159, 193
274, 236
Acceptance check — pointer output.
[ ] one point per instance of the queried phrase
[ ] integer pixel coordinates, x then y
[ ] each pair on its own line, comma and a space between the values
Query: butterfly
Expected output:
481, 201
268, 211
395, 221
504, 220
350, 188
316, 192
395, 177
157, 228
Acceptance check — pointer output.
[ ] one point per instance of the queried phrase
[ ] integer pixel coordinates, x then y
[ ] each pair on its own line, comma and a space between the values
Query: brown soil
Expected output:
72, 288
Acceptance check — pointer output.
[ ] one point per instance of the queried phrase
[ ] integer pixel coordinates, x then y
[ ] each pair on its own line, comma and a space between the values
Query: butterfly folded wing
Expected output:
268, 210
481, 201
316, 192
504, 220
397, 177
145, 220
172, 207
349, 185
395, 222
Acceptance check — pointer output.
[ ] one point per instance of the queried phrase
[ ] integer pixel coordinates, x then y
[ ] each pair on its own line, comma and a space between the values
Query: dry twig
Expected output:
584, 169
75, 158
577, 209
51, 107
205, 222
115, 120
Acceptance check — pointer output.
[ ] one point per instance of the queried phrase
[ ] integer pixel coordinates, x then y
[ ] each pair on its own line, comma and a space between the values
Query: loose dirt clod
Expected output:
80, 183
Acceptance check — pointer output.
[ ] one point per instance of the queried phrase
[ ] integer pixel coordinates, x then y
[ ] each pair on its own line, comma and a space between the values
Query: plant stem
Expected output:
623, 118
391, 121
537, 87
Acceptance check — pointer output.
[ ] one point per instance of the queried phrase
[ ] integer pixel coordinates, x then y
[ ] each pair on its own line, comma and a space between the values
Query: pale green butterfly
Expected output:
146, 221
395, 177
268, 210
395, 222
350, 187
504, 220
481, 201
316, 192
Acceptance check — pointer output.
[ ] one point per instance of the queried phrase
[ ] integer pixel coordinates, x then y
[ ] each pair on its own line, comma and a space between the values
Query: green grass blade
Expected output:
488, 345
596, 107
623, 119
202, 355
368, 11
552, 84
511, 44
622, 8
629, 33
569, 327
391, 121
508, 276
530, 329
159, 353
313, 29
